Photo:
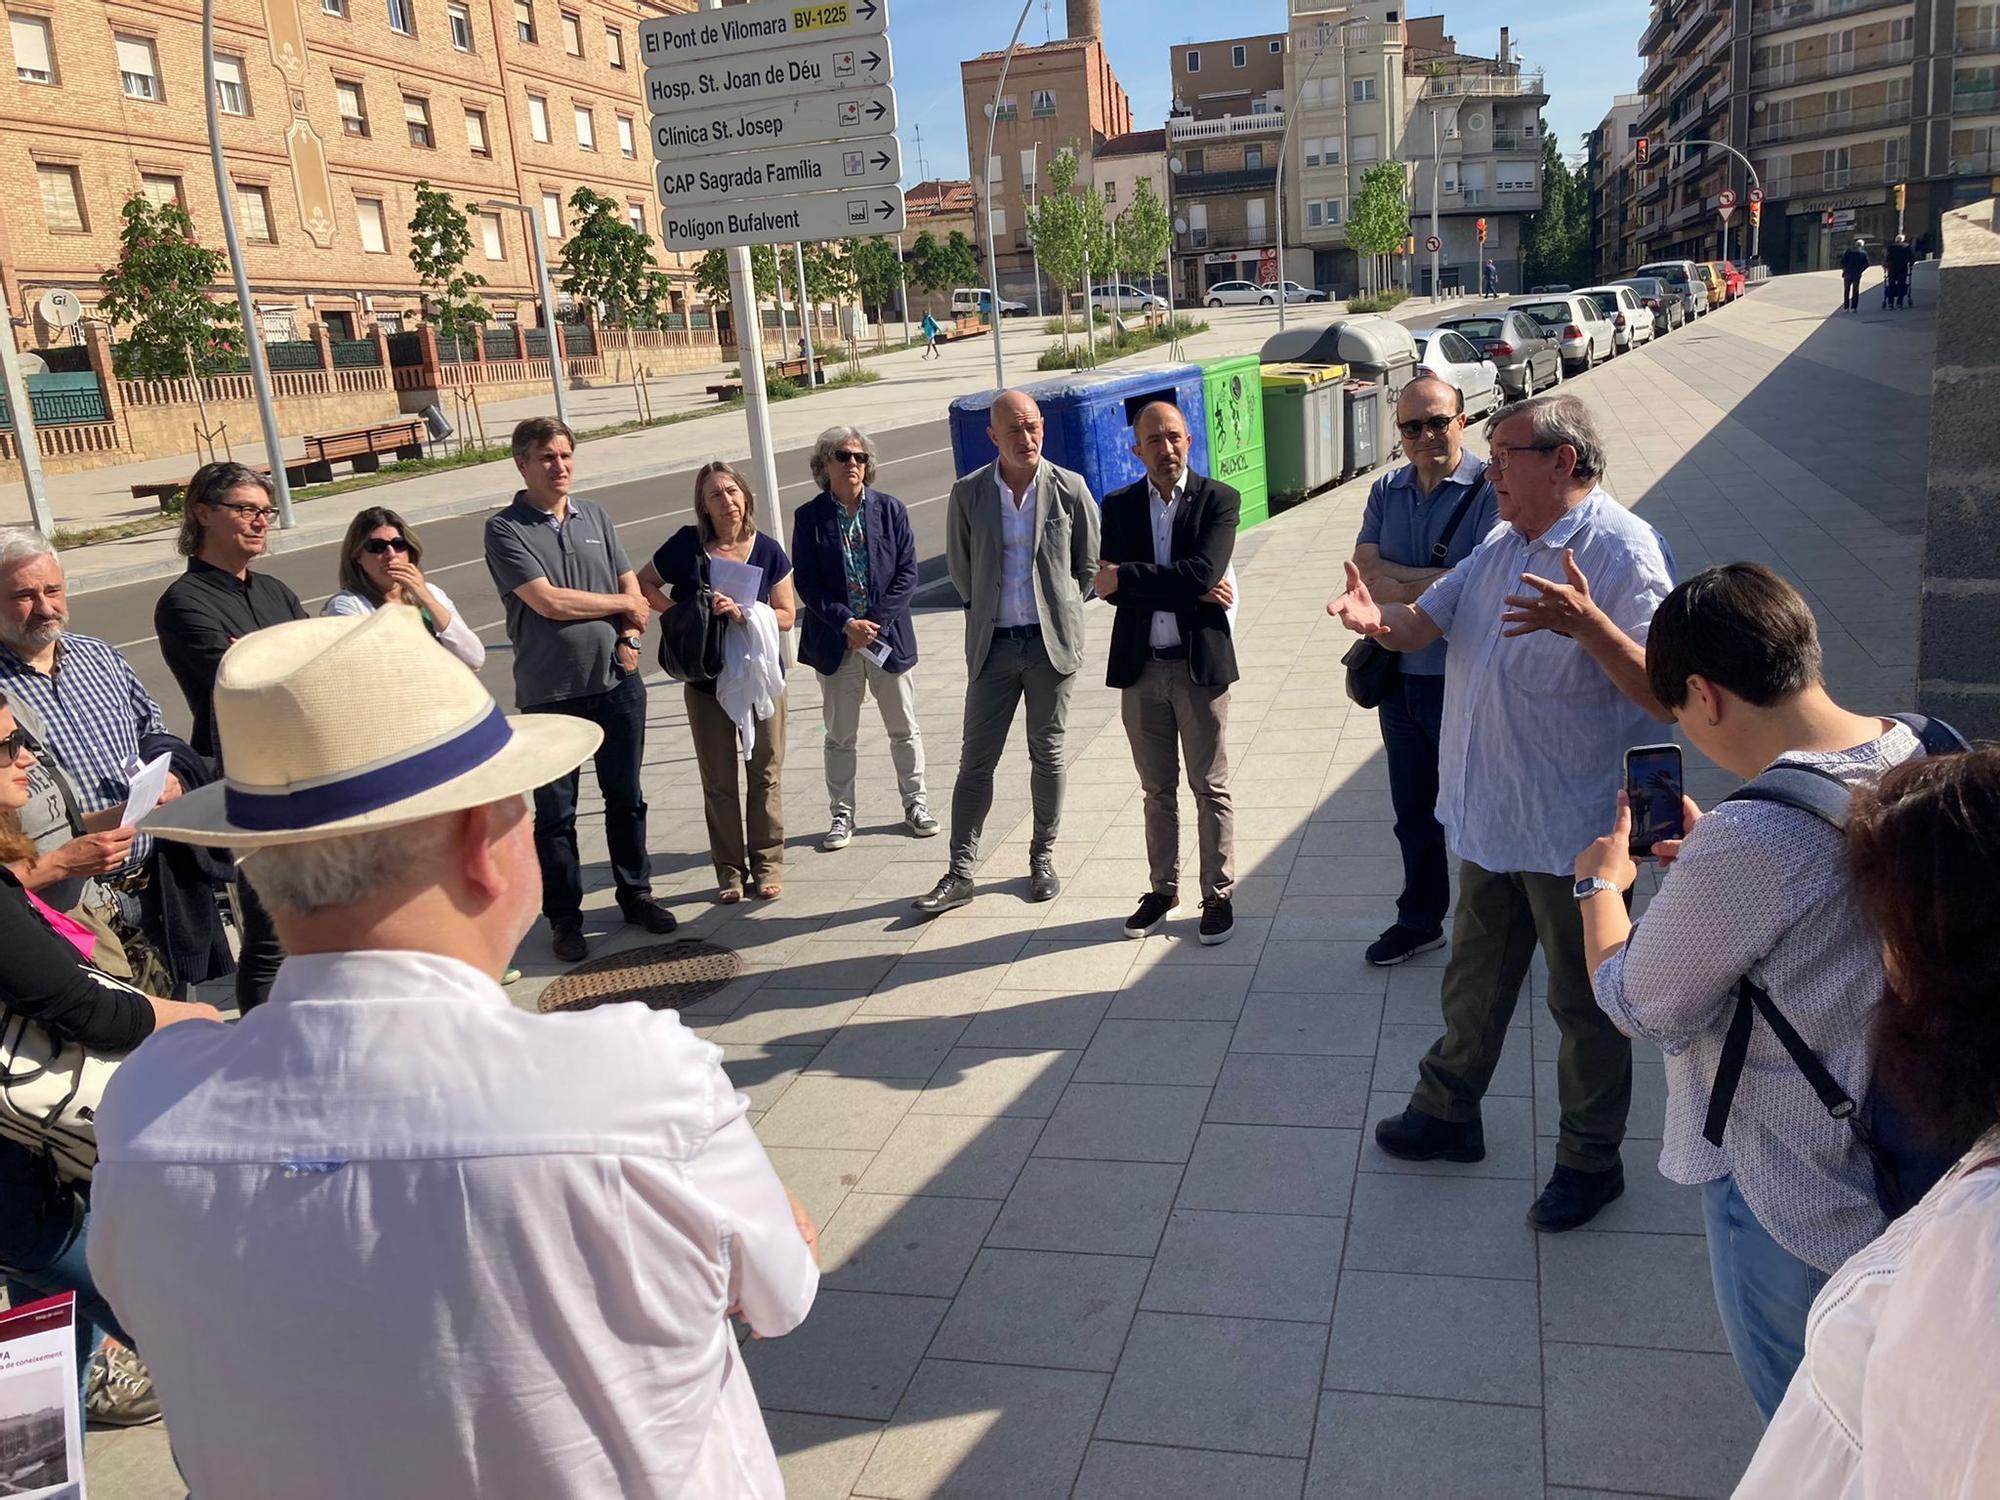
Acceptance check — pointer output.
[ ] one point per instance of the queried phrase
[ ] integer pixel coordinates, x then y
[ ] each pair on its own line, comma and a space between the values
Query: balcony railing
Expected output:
1832, 122
1974, 163
1659, 68
1461, 85
1980, 101
1224, 239
1237, 180
1512, 140
1225, 128
1801, 12
1838, 64
1697, 24
1659, 26
1839, 180
1979, 39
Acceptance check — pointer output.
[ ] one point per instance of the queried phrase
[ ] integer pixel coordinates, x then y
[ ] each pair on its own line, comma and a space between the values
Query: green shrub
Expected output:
1057, 357
1382, 303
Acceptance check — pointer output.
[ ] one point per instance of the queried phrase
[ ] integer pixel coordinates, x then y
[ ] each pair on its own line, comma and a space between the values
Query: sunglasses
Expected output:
1435, 426
849, 456
11, 745
375, 546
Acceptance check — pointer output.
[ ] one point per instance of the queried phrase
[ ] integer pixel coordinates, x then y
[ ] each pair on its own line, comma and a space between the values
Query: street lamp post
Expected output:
1034, 185
1756, 229
1437, 171
986, 198
548, 296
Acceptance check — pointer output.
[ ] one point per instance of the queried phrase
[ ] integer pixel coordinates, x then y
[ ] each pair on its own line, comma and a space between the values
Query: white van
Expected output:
969, 301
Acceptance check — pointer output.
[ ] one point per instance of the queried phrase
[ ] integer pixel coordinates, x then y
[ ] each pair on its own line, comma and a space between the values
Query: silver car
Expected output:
1584, 334
1631, 319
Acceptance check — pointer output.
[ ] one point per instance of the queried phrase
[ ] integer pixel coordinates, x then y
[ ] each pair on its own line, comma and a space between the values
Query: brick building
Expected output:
1227, 123
331, 111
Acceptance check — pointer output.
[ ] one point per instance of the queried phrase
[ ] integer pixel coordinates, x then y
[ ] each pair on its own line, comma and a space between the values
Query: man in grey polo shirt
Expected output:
575, 618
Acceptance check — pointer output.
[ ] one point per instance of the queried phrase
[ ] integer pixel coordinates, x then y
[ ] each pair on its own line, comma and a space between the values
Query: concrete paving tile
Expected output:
986, 1432
820, 1457
953, 1156
1237, 1265
909, 1047
1309, 1024
1270, 1169
1100, 964
1242, 1385
1134, 1471
917, 987
958, 939
1676, 1422
883, 1242
1125, 1122
1510, 1141
821, 1177
1450, 1337
819, 964
1098, 1207
998, 1081
1317, 967
1179, 944
1354, 875
1356, 918
1366, 1447
1444, 1226
1037, 1018
787, 1017
1048, 1308
1183, 993
1645, 1290
851, 1357
762, 1073
856, 1113
1650, 1204
1267, 1089
1187, 1052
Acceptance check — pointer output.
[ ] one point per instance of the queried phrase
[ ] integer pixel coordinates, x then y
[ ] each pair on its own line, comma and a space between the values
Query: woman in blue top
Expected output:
725, 526
930, 337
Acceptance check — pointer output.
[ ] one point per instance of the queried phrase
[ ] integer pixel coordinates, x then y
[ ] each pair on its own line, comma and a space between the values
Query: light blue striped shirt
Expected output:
1016, 605
1534, 733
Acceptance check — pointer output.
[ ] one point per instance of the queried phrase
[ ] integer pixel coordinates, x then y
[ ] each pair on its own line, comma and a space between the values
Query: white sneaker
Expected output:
840, 835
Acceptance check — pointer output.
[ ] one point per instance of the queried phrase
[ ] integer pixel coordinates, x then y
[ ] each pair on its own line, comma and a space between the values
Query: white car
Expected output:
1452, 356
1293, 293
1119, 297
1631, 319
1234, 294
1581, 330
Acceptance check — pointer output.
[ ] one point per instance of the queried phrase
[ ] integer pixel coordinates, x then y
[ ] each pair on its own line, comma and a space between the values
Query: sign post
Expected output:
1725, 202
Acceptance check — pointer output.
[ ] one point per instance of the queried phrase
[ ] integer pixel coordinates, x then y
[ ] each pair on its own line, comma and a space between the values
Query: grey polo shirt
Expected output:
557, 659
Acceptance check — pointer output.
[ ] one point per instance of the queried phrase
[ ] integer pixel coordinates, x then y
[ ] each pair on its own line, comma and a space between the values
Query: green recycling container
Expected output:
1236, 432
1302, 428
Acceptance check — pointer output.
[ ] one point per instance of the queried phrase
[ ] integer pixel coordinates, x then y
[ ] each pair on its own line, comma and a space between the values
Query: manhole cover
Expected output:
669, 976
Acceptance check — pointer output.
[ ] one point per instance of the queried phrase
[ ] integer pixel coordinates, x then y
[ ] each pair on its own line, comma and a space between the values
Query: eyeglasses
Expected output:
1501, 457
375, 546
11, 745
1435, 426
849, 456
266, 513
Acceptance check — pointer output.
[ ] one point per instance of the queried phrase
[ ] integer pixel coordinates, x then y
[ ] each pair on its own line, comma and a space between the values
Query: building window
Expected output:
1111, 191
1253, 158
993, 172
1514, 177
1277, 47
524, 20
475, 133
1193, 61
374, 233
335, 8
402, 17
552, 223
460, 17
353, 107
160, 189
34, 54
62, 199
253, 213
628, 146
1330, 211
614, 47
636, 213
231, 97
1044, 101
1239, 56
1364, 90
1365, 148
417, 115
1009, 108
572, 32
538, 118
586, 128
1313, 216
1253, 218
138, 67
492, 236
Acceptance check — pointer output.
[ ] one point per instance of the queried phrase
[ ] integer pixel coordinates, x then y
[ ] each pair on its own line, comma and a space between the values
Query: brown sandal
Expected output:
729, 895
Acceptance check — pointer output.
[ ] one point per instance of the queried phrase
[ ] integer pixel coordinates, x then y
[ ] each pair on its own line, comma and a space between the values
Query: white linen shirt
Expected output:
1164, 510
389, 1235
1016, 605
459, 638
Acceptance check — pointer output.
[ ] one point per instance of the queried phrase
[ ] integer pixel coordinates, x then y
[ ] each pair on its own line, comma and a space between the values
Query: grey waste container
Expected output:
1363, 400
1372, 347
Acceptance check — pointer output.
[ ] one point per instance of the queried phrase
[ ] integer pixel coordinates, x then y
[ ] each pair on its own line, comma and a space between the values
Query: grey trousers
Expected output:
759, 807
1167, 716
840, 712
1015, 668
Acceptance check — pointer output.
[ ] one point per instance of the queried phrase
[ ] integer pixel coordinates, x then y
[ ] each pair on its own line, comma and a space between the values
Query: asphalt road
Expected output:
914, 465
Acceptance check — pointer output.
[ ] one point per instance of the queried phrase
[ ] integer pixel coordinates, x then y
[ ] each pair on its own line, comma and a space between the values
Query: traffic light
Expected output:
1643, 144
1479, 227
1829, 218
1902, 196
1756, 213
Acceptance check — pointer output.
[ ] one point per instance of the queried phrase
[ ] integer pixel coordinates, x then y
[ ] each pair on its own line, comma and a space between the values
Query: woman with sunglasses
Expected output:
379, 565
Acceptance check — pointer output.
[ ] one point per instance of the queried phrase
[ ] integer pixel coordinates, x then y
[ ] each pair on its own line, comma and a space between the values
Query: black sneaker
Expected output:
1043, 882
953, 890
644, 911
1416, 1136
1218, 920
1154, 909
1573, 1198
568, 944
1400, 944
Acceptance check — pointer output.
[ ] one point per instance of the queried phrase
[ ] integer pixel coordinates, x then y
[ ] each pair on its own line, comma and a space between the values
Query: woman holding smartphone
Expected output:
379, 564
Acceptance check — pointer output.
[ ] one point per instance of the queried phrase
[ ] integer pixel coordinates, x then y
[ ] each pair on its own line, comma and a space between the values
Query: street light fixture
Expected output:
549, 323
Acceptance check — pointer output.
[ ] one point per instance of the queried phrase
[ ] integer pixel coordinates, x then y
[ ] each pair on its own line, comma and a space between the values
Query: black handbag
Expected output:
1372, 668
691, 635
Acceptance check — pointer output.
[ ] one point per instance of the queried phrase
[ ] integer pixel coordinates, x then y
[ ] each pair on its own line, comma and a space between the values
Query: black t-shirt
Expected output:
199, 616
678, 562
47, 980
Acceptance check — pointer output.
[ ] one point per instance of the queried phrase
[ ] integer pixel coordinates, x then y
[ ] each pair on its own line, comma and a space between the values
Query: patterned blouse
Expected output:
854, 554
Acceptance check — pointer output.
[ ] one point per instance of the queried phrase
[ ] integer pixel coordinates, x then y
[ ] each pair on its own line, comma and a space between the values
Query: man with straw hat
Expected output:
389, 1235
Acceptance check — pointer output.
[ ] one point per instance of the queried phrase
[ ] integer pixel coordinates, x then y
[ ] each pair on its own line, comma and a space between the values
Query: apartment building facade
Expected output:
1121, 165
331, 111
1222, 139
1608, 168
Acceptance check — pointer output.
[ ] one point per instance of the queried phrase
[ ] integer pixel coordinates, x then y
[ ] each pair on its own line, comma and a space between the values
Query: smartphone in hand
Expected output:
1653, 787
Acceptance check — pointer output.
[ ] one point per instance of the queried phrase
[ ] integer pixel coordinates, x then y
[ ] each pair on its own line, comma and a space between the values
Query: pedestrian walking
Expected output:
931, 337
1490, 279
1545, 688
1168, 539
511, 1242
1021, 543
746, 830
1852, 264
1897, 261
1420, 522
575, 618
381, 563
854, 569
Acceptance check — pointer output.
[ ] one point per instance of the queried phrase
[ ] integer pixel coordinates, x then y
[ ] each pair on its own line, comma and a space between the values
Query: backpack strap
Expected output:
1936, 736
1807, 788
1752, 1000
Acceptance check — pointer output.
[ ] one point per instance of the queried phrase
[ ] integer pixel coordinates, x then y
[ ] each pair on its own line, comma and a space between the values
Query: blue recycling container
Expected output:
1087, 418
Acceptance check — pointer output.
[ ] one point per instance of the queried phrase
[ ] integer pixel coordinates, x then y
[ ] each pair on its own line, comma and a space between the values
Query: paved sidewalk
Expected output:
1102, 1218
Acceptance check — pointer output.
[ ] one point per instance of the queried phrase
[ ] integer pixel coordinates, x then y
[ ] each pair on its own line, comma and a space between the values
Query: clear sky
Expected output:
1586, 48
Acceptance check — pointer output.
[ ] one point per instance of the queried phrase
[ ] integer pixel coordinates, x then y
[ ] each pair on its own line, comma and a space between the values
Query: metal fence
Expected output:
406, 349
291, 354
355, 354
64, 400
577, 340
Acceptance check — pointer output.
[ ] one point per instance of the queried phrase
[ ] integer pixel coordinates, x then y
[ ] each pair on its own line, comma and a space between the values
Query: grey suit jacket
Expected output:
1065, 559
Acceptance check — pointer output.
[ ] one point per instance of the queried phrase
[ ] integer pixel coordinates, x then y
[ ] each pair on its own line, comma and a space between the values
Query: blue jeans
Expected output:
1762, 1290
1412, 723
42, 1232
621, 714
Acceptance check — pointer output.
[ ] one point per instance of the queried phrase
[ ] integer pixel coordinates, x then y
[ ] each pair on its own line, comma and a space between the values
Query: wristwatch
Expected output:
1590, 885
630, 640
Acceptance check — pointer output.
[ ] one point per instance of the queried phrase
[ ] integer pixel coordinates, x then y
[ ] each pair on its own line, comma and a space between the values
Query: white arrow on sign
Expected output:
814, 216
1756, 195
784, 172
1726, 198
1433, 244
822, 66
783, 122
774, 23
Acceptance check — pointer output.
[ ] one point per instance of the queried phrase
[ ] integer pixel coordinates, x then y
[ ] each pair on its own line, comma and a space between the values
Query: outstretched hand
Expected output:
1562, 608
1356, 608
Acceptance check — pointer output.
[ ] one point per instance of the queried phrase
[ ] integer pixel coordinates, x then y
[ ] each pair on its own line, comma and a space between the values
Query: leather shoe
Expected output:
1416, 1136
953, 890
644, 911
568, 943
1043, 882
1573, 1198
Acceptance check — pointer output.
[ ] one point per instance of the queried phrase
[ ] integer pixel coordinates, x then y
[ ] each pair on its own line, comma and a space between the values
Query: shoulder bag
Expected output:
1372, 668
50, 1090
692, 635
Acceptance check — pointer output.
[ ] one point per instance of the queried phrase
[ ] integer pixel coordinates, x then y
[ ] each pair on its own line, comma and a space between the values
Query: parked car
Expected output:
1448, 353
1712, 282
1668, 311
1549, 291
967, 301
1293, 293
1680, 275
1234, 294
1120, 297
1732, 279
1585, 334
1631, 320
1526, 358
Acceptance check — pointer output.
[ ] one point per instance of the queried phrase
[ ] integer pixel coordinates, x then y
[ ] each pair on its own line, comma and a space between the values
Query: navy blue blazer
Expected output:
819, 574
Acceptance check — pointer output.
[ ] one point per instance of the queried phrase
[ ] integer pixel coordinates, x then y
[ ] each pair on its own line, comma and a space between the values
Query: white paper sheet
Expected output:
740, 582
147, 786
877, 653
39, 1416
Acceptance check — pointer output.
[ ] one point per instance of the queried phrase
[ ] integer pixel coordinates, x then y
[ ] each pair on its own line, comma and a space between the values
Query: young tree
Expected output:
608, 262
1068, 226
711, 274
1558, 236
440, 242
877, 274
1379, 220
1144, 233
939, 267
159, 291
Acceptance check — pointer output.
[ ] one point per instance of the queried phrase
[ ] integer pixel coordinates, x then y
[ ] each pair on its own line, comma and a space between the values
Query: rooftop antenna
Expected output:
1045, 22
923, 172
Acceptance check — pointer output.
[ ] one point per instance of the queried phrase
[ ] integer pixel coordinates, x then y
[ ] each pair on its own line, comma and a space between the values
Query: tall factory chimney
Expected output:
1084, 24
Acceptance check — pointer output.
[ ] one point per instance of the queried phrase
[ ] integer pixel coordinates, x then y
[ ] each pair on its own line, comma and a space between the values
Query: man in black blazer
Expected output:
1163, 568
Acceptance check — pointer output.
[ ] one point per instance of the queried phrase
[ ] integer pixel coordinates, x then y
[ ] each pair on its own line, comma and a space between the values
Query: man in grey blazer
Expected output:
1021, 543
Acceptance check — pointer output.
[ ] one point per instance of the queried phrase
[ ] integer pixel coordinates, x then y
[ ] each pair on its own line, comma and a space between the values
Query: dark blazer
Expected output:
1204, 538
819, 574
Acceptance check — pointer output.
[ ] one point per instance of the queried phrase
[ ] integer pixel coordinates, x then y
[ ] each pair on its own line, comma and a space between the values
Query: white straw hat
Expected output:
340, 724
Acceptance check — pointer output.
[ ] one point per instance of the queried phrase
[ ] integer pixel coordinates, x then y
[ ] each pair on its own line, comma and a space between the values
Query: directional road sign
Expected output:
817, 216
735, 77
774, 23
1756, 195
1433, 244
786, 172
1726, 199
782, 122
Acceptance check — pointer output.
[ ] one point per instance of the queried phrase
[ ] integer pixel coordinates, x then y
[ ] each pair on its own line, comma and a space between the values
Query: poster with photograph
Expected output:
41, 1426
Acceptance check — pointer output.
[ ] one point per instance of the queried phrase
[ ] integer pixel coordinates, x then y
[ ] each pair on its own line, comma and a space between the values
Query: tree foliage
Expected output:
1558, 237
1071, 239
939, 267
440, 244
877, 273
159, 291
1379, 218
608, 262
829, 272
711, 274
1144, 233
